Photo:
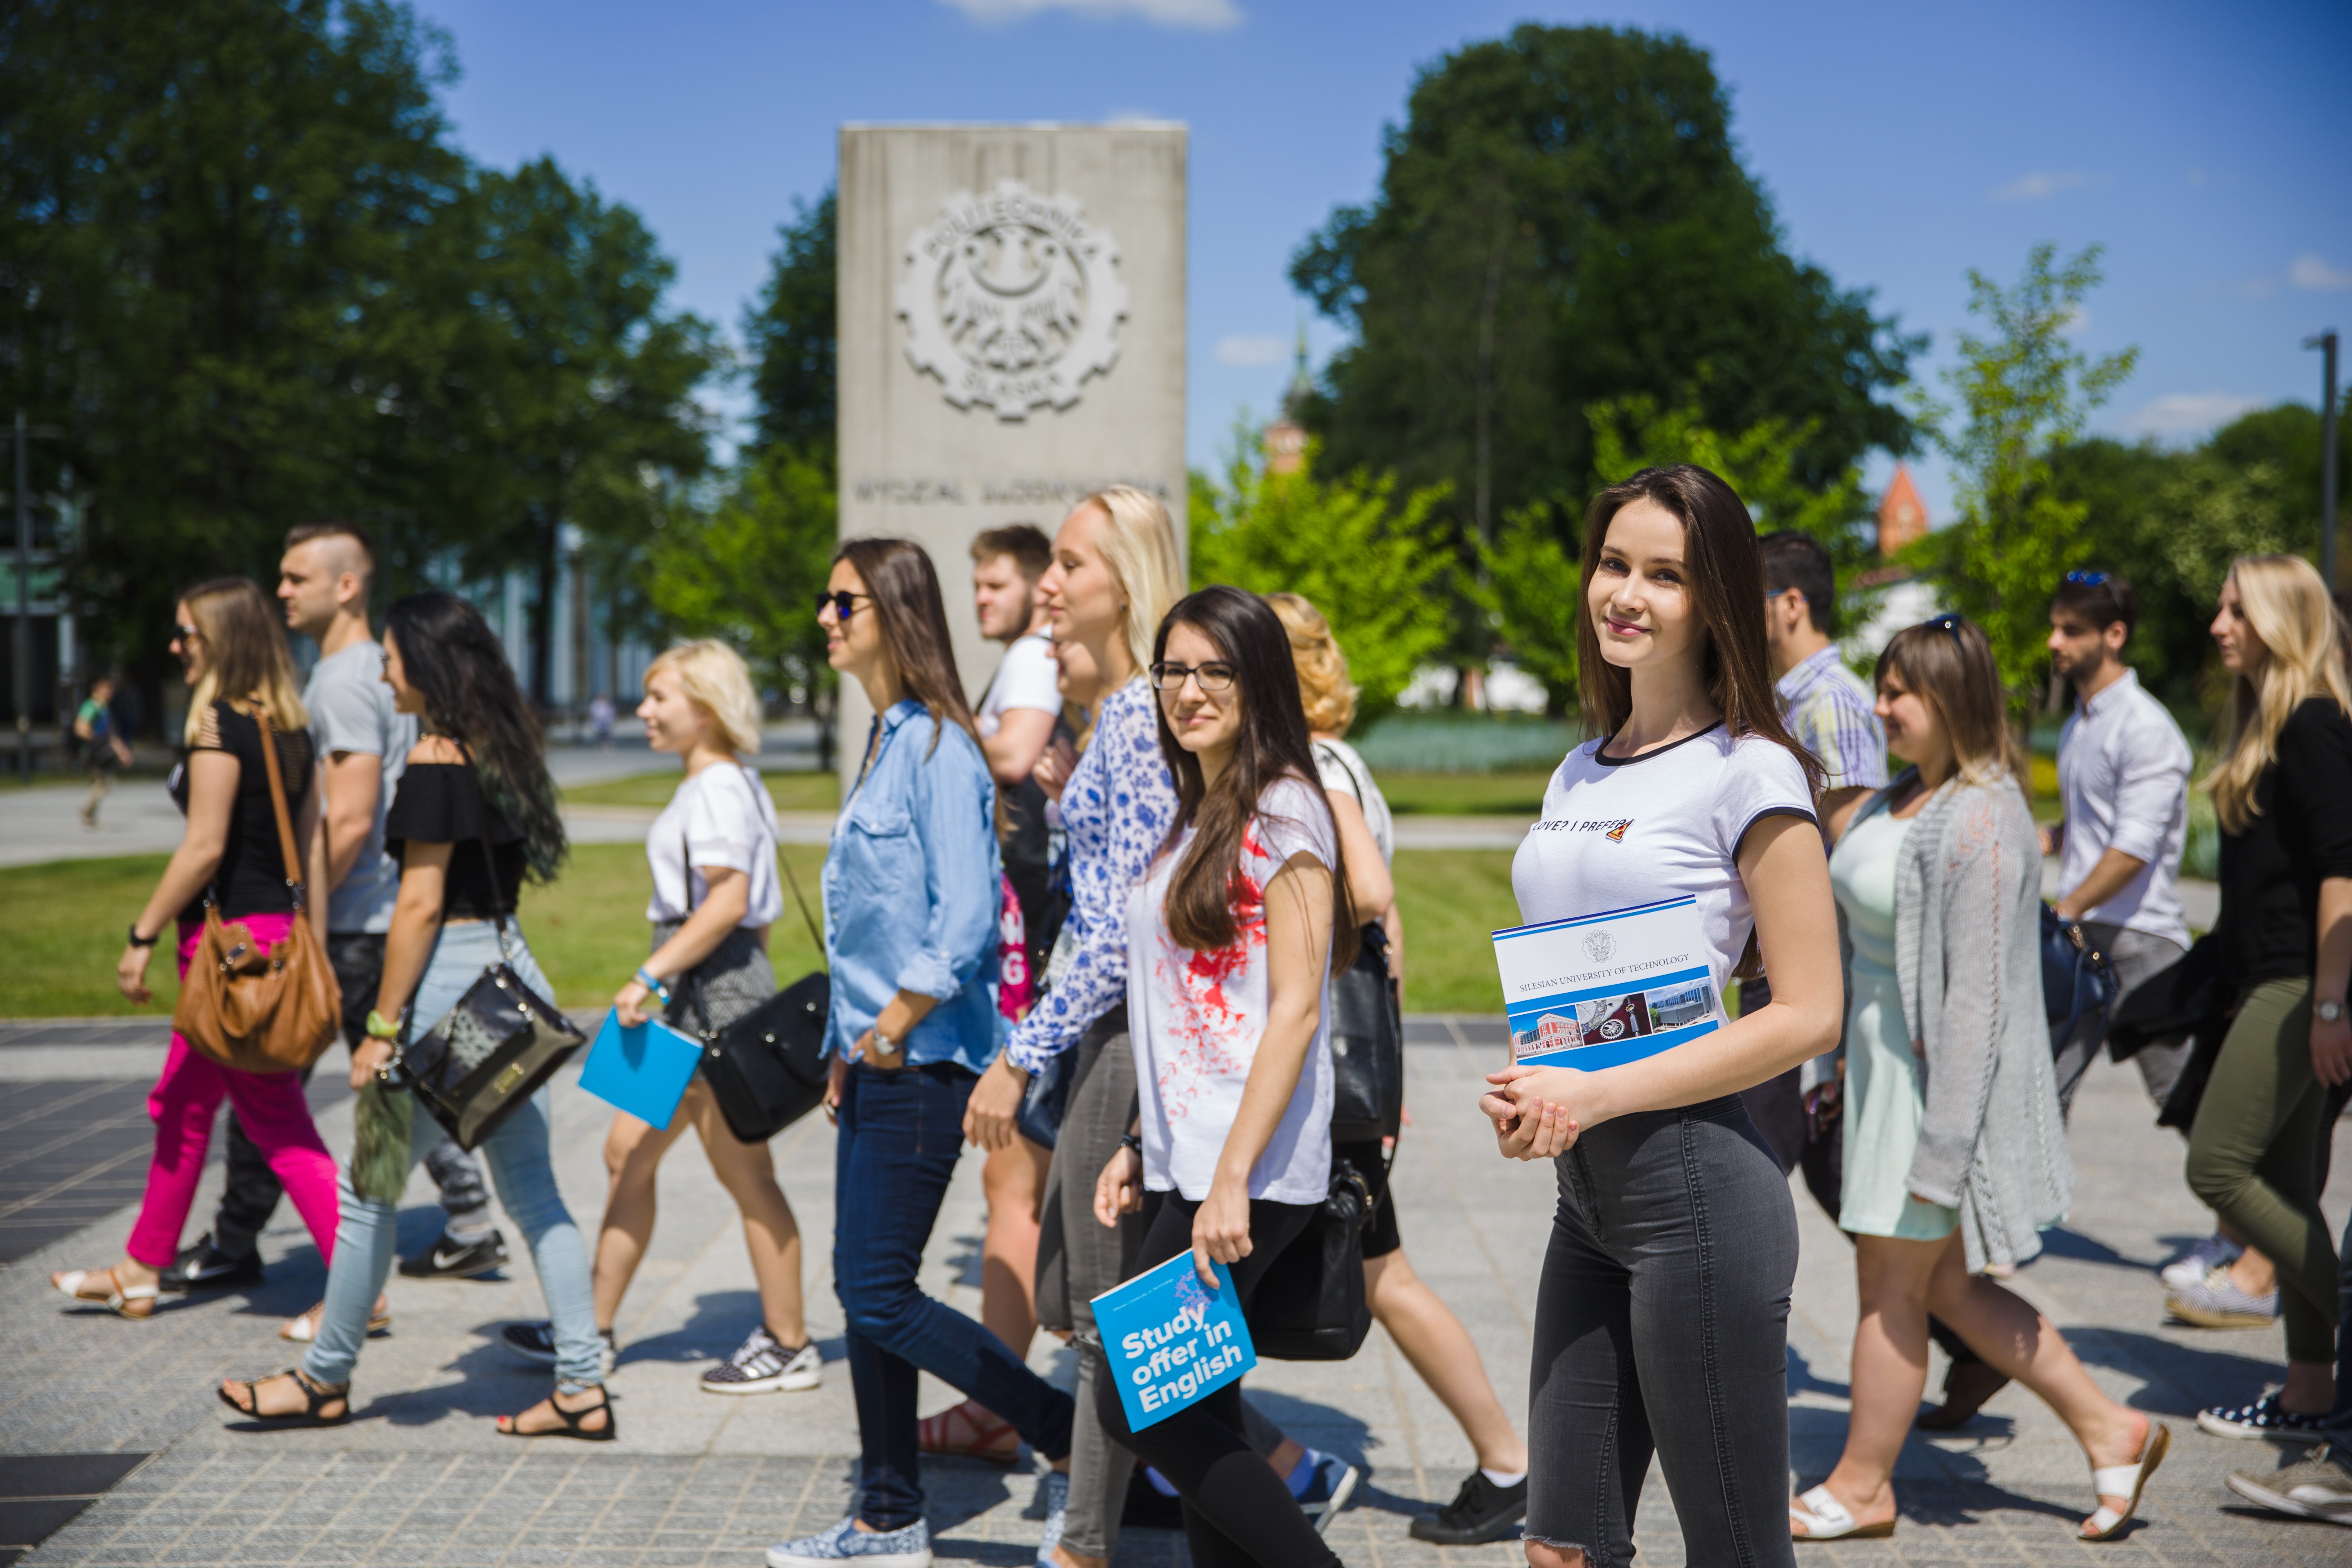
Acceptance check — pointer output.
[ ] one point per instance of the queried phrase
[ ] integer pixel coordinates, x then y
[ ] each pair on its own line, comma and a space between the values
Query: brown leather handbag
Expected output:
257, 1010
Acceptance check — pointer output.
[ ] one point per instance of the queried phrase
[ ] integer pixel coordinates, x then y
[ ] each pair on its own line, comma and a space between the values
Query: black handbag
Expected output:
767, 1070
489, 1053
1367, 1046
2076, 978
1048, 1098
1310, 1305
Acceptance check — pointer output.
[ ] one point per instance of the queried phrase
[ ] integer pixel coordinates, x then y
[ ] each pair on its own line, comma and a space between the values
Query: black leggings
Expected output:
1237, 1512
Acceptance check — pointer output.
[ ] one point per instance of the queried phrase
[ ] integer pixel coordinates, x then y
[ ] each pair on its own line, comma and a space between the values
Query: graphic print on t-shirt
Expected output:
1211, 1036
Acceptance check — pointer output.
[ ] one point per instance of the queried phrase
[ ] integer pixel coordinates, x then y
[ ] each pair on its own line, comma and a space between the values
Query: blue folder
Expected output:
1171, 1341
643, 1071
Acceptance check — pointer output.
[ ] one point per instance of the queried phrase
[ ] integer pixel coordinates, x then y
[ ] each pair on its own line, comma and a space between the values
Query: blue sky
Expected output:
2206, 149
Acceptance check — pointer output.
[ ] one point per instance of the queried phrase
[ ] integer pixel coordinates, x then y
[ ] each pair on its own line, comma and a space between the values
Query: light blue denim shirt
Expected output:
911, 893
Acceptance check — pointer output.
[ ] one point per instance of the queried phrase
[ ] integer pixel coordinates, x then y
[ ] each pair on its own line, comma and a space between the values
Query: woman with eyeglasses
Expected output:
1231, 941
231, 645
911, 896
1955, 1153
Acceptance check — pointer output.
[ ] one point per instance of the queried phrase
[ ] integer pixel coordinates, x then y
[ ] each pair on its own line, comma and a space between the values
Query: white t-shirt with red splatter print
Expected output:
1195, 1019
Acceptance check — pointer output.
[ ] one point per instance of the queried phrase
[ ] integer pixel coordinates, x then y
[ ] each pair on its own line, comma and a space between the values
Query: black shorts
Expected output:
1380, 1237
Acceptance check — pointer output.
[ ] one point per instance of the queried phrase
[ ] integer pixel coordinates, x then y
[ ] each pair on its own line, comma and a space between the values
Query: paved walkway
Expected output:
422, 1477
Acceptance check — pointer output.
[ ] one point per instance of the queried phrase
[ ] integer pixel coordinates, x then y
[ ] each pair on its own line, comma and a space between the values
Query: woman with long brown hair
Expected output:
232, 648
1955, 1154
912, 894
1661, 1321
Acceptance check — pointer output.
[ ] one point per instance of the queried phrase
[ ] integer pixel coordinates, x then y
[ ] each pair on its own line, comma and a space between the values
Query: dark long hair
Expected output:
1271, 744
457, 665
1726, 575
907, 606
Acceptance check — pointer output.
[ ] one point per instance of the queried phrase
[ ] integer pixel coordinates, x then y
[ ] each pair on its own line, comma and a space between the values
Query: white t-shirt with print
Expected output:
1616, 833
1195, 1019
724, 817
1026, 676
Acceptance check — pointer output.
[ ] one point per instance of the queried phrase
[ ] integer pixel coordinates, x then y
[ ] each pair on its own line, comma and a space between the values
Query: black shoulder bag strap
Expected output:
686, 864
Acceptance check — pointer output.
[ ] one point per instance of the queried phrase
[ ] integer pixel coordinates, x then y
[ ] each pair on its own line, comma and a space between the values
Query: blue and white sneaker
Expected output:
2265, 1417
1330, 1482
845, 1542
1054, 1491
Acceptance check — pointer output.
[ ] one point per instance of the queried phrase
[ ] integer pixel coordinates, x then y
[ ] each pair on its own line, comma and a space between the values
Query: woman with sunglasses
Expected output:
232, 648
1230, 948
1955, 1154
911, 896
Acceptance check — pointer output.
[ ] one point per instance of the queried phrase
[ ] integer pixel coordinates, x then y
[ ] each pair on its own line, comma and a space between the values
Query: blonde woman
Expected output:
1494, 1495
2283, 793
1955, 1156
233, 651
715, 893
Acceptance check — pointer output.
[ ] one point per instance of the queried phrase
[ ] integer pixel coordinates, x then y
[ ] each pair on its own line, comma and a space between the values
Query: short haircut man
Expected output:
1799, 561
1031, 551
335, 527
2098, 599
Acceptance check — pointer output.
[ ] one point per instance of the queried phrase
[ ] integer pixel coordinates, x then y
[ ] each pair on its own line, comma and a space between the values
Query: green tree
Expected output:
1563, 219
791, 337
2024, 394
747, 570
1532, 596
1372, 562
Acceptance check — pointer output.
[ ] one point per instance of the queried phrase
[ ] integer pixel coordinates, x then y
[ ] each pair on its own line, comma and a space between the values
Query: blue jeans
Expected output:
901, 1135
516, 1156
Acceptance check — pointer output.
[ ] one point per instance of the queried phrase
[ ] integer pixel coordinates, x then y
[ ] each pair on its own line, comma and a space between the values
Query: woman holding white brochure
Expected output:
1661, 1319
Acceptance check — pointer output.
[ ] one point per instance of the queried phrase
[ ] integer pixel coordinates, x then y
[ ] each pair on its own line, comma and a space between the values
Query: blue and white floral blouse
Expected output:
1115, 809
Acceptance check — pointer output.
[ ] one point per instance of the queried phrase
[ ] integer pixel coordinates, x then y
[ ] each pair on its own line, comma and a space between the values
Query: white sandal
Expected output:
2127, 1481
117, 1299
303, 1329
1826, 1519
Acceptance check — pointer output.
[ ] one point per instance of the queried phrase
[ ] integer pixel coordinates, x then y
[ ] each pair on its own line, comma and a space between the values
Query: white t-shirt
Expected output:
1660, 825
1026, 676
723, 816
1195, 1019
1343, 772
350, 710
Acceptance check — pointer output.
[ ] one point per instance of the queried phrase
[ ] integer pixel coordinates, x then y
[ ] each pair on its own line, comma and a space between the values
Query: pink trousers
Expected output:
271, 1108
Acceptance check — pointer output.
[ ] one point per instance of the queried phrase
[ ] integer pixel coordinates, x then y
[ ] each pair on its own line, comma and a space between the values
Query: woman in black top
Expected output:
233, 649
474, 819
2283, 793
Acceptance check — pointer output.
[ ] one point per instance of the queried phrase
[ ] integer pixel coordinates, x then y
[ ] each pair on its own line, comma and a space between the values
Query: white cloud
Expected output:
1248, 350
2309, 272
2076, 323
2184, 415
2034, 186
1207, 15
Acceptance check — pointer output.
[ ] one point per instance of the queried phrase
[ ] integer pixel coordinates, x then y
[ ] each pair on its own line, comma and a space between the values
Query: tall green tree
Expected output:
2025, 393
1370, 559
1563, 219
747, 570
791, 338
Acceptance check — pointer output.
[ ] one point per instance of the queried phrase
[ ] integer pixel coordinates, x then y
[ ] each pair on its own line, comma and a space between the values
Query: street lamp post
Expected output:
2326, 344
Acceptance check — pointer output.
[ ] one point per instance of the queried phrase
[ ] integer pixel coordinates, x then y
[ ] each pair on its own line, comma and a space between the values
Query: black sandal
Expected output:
570, 1419
315, 1395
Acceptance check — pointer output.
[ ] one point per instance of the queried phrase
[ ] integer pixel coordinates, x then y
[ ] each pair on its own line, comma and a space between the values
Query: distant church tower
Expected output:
1901, 517
1286, 438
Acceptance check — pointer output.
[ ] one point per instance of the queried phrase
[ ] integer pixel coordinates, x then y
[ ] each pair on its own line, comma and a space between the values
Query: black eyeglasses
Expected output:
1215, 675
2087, 579
843, 602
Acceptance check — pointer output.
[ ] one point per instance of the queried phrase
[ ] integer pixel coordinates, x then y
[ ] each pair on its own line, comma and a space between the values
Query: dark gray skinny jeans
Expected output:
1662, 1326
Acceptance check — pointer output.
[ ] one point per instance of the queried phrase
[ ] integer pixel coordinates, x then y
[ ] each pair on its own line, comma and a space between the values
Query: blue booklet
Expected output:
643, 1071
1602, 989
1169, 1341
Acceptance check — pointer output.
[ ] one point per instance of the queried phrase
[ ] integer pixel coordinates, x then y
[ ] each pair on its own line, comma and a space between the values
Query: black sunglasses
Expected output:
1215, 675
843, 602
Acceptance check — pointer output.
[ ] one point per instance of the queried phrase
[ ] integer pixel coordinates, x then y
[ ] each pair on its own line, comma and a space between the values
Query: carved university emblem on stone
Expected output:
1012, 299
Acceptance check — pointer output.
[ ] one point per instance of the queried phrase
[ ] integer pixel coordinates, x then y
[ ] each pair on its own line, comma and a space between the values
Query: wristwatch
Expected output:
138, 941
884, 1046
2329, 1012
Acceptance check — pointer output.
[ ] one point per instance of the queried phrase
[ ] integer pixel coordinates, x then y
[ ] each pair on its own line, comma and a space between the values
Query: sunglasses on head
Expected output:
2082, 579
1948, 622
841, 603
1213, 675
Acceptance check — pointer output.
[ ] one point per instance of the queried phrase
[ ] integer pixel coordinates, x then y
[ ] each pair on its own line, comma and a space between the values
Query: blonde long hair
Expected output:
246, 657
1323, 685
2291, 613
720, 682
1141, 545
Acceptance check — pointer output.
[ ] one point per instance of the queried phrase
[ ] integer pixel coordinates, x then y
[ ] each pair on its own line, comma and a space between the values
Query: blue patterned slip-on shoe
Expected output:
2216, 1302
2215, 1251
1328, 1488
1054, 1491
845, 1542
761, 1365
2265, 1417
2318, 1487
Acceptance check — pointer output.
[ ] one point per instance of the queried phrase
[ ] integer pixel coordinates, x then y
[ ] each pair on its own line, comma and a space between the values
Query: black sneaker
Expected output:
446, 1259
205, 1266
2265, 1417
535, 1342
1481, 1511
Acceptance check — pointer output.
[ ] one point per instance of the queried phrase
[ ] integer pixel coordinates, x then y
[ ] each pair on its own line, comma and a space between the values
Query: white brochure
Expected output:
1602, 989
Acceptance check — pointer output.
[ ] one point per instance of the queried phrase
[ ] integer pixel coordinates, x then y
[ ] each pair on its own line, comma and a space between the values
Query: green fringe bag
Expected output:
380, 1158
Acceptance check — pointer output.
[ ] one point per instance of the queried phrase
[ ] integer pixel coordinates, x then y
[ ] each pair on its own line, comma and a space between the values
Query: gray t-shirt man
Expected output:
350, 710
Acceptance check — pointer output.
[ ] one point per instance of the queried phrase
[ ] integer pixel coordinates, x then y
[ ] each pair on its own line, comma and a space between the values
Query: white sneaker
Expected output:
2215, 1251
762, 1364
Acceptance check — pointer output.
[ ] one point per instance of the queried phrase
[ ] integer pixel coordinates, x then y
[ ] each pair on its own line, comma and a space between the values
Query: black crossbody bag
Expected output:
1367, 1034
767, 1069
1311, 1305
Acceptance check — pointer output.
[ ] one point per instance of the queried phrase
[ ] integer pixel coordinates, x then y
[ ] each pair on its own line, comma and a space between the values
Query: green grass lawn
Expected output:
791, 792
1516, 793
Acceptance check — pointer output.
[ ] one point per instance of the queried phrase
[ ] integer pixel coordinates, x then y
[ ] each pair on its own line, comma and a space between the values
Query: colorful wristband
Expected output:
660, 991
380, 1027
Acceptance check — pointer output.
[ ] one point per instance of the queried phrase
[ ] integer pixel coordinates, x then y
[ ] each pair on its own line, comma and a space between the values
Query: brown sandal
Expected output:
71, 1284
314, 1395
935, 1434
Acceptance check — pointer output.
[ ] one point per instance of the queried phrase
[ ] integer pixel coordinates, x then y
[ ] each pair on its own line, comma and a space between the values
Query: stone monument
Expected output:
1011, 336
